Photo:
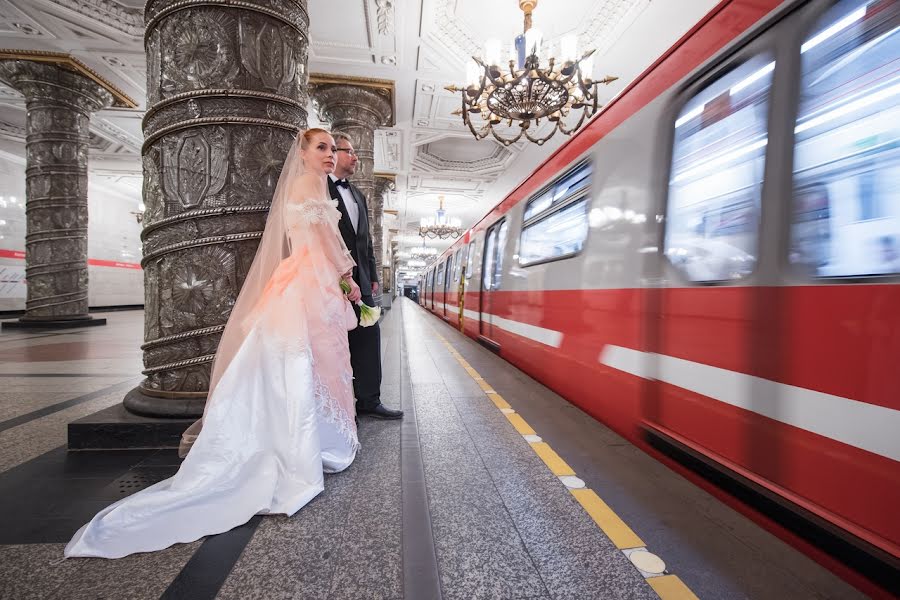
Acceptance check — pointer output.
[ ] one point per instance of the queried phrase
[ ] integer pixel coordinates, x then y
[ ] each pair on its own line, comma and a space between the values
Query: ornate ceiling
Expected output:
422, 45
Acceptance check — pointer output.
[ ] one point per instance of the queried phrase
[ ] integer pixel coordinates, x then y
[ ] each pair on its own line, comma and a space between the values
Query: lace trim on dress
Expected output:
327, 407
316, 211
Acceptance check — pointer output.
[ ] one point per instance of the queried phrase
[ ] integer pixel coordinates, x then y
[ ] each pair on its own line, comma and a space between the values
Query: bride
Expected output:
280, 409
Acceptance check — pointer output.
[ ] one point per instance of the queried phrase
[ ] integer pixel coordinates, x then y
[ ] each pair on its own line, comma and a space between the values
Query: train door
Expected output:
439, 288
491, 270
704, 323
452, 303
462, 269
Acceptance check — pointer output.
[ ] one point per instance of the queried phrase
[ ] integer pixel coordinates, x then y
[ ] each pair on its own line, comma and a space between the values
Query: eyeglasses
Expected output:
349, 151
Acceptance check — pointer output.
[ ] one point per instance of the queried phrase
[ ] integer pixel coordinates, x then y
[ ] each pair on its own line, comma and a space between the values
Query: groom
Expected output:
365, 342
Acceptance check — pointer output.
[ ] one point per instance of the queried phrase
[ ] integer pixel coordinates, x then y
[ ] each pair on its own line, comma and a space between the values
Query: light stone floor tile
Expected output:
369, 559
35, 571
30, 440
292, 557
14, 404
102, 367
21, 397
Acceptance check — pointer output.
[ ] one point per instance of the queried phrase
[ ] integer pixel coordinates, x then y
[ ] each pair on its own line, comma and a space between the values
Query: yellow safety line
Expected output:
556, 464
484, 385
668, 587
498, 401
519, 423
614, 527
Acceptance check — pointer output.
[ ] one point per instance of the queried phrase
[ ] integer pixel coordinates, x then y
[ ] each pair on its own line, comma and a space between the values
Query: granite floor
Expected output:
451, 502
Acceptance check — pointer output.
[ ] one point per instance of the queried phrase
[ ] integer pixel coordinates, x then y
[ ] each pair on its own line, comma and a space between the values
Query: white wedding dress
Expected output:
280, 415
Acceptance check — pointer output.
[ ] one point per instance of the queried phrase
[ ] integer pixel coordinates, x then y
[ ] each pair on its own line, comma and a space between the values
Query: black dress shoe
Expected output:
381, 412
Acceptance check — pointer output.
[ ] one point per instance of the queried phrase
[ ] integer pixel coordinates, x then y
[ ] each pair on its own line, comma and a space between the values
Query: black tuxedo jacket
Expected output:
359, 242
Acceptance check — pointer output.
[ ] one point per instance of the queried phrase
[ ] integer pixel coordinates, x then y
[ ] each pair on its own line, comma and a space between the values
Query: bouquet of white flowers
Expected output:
368, 315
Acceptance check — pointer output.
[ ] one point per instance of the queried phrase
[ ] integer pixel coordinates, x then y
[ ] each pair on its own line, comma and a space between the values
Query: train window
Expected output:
556, 220
439, 280
560, 190
560, 234
493, 256
846, 210
457, 265
470, 259
717, 172
460, 262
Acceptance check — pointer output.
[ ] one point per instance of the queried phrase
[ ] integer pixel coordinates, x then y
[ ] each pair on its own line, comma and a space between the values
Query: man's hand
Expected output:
374, 288
354, 295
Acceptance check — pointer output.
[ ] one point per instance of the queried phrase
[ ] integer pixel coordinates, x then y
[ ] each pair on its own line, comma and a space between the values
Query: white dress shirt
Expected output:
349, 202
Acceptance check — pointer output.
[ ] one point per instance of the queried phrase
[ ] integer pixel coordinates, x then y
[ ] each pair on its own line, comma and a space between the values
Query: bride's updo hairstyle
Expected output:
309, 134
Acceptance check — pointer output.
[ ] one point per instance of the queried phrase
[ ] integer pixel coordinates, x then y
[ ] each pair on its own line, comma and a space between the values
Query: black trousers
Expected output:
365, 358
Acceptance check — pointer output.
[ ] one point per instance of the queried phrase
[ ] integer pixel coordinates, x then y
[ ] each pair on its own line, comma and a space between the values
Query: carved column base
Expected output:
51, 323
172, 405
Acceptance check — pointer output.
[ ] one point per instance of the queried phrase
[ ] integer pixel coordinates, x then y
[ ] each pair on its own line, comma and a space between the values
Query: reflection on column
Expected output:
59, 102
384, 184
226, 96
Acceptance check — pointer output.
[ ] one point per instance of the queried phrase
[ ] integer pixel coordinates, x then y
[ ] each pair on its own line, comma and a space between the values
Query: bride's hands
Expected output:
354, 295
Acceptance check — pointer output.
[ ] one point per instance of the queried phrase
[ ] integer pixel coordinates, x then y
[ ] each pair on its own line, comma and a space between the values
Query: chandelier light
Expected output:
528, 90
422, 251
440, 226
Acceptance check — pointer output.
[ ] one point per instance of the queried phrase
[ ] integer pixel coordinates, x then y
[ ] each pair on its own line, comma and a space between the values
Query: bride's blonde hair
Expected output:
307, 136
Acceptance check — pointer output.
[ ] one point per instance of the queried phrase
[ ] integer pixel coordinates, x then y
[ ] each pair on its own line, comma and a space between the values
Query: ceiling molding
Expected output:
109, 13
61, 59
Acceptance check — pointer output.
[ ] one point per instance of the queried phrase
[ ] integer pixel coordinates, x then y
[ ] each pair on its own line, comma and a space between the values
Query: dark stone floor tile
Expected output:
162, 458
40, 531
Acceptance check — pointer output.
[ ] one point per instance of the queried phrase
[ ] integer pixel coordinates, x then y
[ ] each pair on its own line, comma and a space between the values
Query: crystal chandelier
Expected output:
440, 226
527, 91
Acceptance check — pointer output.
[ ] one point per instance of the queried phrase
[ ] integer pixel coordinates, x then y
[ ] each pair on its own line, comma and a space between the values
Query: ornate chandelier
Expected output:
527, 91
440, 226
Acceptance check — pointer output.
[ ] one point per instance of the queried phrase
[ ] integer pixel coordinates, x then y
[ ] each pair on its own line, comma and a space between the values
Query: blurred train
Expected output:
712, 263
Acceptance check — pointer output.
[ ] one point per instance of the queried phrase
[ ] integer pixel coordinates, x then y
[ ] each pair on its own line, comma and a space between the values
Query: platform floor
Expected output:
492, 486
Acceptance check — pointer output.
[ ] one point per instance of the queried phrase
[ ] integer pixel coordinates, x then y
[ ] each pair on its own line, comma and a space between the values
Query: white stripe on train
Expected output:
866, 426
548, 337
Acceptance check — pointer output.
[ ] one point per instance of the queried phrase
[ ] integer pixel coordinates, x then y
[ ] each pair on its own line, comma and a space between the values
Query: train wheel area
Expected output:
491, 486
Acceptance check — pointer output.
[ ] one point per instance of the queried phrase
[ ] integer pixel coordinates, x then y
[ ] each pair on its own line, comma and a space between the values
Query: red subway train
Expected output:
714, 260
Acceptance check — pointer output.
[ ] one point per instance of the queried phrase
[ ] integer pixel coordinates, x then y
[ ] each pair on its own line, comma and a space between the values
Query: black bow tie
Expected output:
342, 183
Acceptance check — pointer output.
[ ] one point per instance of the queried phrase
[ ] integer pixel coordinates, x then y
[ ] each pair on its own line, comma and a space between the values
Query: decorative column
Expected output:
226, 95
59, 102
358, 107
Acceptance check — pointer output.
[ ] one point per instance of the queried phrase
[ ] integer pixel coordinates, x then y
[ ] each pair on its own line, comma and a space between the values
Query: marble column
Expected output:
59, 104
357, 110
226, 91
